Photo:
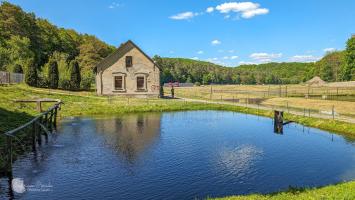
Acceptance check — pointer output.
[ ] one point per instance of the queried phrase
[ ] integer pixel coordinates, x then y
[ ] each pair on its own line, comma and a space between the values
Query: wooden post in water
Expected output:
278, 121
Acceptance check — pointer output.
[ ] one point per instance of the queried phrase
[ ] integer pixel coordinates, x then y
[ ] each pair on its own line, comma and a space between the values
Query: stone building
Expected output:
128, 71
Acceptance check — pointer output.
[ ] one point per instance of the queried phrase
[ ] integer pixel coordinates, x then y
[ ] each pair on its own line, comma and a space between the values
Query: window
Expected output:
118, 83
140, 83
129, 61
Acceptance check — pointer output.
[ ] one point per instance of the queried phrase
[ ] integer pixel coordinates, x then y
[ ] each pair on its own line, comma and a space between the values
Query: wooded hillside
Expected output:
335, 66
36, 47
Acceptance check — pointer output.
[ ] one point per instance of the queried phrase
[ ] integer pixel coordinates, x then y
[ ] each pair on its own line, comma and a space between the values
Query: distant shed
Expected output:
316, 81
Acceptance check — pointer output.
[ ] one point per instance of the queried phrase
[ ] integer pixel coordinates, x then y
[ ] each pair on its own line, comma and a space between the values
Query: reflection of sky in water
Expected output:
182, 155
239, 159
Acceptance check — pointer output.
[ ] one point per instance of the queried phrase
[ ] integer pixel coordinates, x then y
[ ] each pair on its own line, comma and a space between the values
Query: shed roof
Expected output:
316, 80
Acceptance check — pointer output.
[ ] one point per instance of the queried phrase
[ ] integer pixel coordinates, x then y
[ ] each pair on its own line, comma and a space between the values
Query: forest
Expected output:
54, 57
49, 56
334, 66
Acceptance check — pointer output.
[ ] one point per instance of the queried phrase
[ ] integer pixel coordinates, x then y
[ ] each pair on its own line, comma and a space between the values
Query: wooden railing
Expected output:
40, 126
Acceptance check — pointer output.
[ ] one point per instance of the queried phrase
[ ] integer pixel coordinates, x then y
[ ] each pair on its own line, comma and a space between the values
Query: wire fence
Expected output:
270, 100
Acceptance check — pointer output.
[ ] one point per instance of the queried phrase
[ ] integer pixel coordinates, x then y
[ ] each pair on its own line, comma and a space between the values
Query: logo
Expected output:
18, 185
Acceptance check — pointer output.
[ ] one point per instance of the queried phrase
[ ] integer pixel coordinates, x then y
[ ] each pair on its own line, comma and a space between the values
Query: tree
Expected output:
31, 77
53, 74
75, 77
348, 72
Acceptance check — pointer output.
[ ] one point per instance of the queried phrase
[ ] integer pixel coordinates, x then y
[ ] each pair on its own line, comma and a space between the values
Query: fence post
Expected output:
33, 136
286, 91
309, 112
333, 112
39, 134
55, 118
288, 110
8, 154
211, 93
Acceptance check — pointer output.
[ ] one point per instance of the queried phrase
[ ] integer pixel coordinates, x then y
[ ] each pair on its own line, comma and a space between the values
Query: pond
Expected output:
179, 155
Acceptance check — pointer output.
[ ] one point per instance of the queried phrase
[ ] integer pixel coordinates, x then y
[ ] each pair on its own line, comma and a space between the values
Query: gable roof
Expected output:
119, 53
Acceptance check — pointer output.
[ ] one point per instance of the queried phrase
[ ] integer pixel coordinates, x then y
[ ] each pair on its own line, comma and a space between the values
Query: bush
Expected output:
86, 83
197, 83
17, 69
65, 84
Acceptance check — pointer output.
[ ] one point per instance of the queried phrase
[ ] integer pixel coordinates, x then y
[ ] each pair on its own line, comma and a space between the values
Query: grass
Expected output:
87, 104
345, 191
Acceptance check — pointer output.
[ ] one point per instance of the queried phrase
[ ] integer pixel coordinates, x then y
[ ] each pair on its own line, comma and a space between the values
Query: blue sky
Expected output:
225, 32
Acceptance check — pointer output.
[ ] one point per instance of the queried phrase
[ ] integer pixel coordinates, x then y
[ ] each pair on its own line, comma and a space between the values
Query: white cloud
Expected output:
171, 52
304, 58
246, 63
114, 5
231, 51
216, 42
251, 13
200, 52
184, 16
234, 57
265, 57
226, 57
329, 49
246, 9
209, 9
194, 58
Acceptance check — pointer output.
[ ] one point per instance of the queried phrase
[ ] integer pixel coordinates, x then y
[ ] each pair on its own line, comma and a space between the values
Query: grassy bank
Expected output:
87, 104
345, 191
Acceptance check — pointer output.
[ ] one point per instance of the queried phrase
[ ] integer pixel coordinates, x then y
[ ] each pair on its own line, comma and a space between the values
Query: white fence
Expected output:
10, 78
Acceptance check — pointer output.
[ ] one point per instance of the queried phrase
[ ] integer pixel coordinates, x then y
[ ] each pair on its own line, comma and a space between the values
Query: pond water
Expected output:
179, 155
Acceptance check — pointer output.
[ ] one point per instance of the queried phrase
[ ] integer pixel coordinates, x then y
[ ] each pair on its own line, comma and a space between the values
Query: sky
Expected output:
220, 31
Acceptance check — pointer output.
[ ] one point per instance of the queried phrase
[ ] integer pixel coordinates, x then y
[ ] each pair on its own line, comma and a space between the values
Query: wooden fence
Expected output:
11, 78
32, 135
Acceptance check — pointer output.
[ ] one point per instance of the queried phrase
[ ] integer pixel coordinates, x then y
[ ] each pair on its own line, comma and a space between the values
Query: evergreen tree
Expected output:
75, 77
53, 74
31, 76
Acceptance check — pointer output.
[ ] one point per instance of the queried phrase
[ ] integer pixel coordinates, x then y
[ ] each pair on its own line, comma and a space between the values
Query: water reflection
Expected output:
240, 159
130, 135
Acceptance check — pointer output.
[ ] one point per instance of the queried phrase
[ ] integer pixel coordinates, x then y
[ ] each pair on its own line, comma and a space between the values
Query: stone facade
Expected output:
128, 71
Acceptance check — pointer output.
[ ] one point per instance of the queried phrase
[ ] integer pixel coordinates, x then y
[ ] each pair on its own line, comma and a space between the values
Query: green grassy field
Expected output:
87, 104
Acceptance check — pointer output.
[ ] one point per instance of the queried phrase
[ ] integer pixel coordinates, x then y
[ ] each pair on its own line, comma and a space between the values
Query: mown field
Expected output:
88, 104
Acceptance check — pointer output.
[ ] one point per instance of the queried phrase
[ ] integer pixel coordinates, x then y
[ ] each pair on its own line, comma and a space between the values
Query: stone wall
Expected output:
142, 66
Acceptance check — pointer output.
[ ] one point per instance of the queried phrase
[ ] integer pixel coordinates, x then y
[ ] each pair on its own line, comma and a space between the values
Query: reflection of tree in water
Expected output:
130, 135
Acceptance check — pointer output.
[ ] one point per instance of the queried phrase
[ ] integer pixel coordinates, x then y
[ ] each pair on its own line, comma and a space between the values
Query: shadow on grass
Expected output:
9, 120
